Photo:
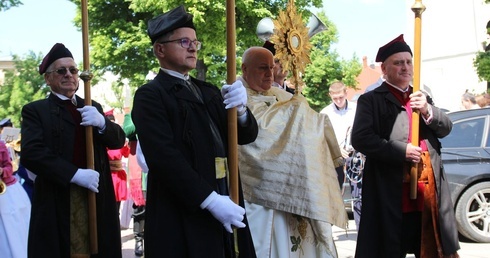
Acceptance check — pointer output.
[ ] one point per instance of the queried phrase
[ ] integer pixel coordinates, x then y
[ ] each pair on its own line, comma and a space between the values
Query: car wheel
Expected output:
473, 213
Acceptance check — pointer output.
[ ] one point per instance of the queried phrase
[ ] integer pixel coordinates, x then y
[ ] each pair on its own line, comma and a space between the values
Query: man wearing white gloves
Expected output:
182, 129
54, 149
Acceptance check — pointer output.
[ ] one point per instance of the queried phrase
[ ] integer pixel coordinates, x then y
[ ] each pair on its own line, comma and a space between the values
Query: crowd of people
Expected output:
293, 163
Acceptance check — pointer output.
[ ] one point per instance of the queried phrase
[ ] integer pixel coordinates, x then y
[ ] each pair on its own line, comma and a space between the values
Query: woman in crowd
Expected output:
15, 210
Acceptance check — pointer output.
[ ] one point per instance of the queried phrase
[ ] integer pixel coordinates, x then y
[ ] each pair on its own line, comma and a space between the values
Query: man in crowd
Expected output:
279, 75
137, 184
288, 173
392, 224
468, 101
341, 113
54, 149
181, 124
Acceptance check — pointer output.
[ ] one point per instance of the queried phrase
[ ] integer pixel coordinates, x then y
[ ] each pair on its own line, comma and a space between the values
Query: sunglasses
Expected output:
185, 43
62, 70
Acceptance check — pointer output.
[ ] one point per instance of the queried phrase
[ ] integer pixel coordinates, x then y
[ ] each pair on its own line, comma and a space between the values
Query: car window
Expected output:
467, 133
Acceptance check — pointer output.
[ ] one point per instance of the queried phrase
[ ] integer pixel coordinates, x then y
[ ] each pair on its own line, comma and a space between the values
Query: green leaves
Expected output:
7, 4
296, 241
327, 67
119, 43
21, 86
482, 65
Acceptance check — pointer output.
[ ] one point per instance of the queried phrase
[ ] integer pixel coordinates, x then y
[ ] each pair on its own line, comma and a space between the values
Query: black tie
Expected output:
194, 89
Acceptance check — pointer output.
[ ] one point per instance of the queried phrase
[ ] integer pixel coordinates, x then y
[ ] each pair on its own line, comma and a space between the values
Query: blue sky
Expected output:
363, 25
37, 25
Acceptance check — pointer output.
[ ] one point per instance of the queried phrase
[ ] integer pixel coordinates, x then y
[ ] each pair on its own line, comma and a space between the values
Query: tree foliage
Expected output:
482, 59
22, 85
7, 4
482, 65
117, 88
119, 43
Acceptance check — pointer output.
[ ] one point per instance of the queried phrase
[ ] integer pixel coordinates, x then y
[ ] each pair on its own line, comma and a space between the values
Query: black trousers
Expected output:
411, 234
340, 175
139, 220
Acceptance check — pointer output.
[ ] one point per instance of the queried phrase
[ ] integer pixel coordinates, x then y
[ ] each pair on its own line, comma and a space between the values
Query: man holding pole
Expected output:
54, 149
181, 124
392, 224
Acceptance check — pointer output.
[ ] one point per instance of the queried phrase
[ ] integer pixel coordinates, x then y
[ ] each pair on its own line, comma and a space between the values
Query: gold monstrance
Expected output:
292, 44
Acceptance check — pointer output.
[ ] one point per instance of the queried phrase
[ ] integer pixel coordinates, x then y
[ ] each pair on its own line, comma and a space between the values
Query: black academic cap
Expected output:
269, 45
57, 51
395, 46
5, 122
169, 21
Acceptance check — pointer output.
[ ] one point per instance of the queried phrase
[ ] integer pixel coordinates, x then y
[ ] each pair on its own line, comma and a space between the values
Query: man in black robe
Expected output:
392, 224
54, 149
181, 124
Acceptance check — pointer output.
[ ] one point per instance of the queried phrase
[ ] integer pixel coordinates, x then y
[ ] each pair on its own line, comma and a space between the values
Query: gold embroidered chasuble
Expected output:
291, 165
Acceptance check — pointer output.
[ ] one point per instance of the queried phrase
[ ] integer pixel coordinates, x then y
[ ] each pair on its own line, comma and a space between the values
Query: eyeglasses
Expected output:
185, 43
62, 70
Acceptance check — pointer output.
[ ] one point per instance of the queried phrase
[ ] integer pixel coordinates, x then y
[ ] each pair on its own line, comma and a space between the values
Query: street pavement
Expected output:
127, 239
345, 240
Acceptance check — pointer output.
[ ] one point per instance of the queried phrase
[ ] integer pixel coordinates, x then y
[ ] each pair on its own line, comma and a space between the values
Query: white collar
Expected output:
184, 77
396, 87
63, 97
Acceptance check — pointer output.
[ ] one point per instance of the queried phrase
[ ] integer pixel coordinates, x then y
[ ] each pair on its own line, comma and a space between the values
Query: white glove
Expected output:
91, 116
227, 212
234, 95
87, 178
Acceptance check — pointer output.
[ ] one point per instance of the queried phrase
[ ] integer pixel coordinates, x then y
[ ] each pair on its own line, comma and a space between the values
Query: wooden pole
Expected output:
232, 115
86, 76
418, 8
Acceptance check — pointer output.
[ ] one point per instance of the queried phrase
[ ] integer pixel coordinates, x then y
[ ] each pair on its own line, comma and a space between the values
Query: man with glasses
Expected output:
54, 149
181, 124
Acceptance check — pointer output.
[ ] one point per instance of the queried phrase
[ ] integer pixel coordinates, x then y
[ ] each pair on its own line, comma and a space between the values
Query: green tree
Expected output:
117, 88
325, 67
119, 43
482, 60
22, 85
482, 65
7, 4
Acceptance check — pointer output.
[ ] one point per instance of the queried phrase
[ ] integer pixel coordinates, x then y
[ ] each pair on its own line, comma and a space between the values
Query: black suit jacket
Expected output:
174, 131
48, 136
380, 131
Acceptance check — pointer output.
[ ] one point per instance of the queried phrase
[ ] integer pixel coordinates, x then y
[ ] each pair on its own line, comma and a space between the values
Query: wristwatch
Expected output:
429, 109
